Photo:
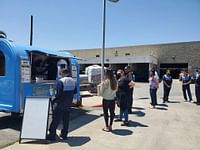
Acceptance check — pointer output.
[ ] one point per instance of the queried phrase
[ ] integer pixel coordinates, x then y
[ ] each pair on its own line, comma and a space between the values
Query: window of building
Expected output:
2, 64
116, 53
127, 54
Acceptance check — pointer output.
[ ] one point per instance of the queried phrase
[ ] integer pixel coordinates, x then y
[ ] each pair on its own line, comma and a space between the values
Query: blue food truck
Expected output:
30, 71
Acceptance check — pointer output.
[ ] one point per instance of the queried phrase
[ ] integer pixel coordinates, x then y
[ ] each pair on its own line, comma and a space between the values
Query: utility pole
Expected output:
31, 32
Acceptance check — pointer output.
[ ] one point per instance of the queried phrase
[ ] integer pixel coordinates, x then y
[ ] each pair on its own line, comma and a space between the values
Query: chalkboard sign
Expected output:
35, 118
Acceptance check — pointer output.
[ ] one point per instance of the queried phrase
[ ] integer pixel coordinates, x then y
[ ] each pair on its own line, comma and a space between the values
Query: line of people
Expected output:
119, 90
114, 89
184, 77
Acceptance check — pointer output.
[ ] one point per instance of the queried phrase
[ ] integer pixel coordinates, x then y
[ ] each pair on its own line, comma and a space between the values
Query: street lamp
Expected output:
103, 36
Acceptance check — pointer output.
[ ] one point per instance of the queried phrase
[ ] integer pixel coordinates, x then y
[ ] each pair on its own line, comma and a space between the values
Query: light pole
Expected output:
104, 36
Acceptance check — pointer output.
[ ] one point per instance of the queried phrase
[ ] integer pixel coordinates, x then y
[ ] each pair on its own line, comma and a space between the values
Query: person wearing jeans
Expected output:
167, 84
123, 95
107, 89
130, 76
186, 80
197, 87
153, 84
66, 88
108, 105
124, 114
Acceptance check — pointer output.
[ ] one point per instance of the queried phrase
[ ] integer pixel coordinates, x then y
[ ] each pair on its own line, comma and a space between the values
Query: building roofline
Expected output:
143, 45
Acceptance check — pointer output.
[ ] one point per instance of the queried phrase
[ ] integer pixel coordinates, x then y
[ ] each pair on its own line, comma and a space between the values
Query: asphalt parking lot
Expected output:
174, 125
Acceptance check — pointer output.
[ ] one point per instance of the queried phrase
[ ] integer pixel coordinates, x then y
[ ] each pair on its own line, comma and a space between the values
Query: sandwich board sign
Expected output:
35, 118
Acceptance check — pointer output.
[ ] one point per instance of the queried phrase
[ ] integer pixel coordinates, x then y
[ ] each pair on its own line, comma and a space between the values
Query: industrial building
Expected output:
173, 56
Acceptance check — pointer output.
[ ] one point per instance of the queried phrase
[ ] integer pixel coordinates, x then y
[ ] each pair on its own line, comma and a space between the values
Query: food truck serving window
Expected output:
2, 64
45, 66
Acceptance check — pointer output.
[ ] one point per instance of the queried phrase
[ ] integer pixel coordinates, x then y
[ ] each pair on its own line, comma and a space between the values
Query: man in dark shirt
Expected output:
167, 84
131, 77
123, 94
197, 86
66, 88
186, 80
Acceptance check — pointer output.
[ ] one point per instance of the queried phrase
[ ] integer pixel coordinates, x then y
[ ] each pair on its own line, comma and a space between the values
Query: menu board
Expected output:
25, 71
74, 71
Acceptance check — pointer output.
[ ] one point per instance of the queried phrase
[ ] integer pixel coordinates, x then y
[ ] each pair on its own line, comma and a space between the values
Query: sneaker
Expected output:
106, 129
152, 107
63, 137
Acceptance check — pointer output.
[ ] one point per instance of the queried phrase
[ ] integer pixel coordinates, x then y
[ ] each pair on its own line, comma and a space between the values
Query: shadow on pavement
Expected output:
138, 108
122, 132
143, 98
11, 122
138, 113
75, 113
78, 140
164, 105
72, 141
161, 108
85, 119
136, 124
174, 102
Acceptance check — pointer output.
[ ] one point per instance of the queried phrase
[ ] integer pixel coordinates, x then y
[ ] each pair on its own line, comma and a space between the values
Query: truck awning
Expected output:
55, 53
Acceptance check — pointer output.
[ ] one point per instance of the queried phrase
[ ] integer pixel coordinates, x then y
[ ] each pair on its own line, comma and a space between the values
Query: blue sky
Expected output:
76, 24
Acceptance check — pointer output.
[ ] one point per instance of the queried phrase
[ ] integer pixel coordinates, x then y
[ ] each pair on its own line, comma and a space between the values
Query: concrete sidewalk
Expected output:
172, 126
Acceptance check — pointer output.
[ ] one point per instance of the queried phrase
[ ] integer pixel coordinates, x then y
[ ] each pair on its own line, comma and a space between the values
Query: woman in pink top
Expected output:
153, 84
